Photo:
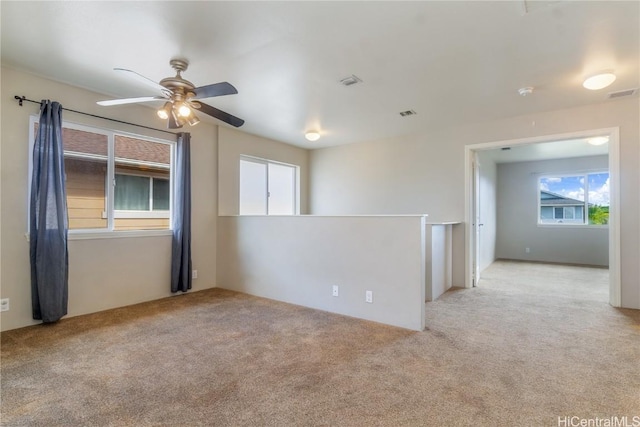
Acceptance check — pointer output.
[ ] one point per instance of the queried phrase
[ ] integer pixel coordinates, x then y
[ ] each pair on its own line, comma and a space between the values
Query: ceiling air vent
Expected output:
622, 93
408, 113
351, 80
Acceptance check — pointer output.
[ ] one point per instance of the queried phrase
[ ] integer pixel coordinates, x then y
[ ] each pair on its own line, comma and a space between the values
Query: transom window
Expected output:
116, 181
574, 199
267, 187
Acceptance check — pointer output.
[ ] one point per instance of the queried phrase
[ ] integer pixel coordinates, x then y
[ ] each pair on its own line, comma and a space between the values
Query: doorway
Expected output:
551, 145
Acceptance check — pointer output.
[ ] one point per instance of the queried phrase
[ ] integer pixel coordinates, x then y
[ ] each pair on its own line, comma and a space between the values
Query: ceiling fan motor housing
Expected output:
182, 89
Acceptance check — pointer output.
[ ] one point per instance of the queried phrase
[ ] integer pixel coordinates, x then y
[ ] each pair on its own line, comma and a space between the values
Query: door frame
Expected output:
470, 254
475, 217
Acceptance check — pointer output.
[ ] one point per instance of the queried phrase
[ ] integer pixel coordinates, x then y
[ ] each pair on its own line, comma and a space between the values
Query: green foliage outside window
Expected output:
598, 215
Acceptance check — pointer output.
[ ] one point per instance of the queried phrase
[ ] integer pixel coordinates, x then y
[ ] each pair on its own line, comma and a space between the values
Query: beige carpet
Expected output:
557, 280
491, 356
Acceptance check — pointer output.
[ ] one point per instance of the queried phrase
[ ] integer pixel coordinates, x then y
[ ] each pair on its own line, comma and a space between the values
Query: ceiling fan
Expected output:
180, 97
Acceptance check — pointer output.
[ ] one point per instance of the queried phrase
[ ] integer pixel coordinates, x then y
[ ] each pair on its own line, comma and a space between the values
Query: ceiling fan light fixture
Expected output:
163, 113
179, 120
312, 135
193, 120
599, 81
184, 110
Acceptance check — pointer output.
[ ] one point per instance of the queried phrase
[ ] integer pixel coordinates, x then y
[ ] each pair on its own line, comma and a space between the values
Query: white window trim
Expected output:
296, 183
109, 232
585, 223
87, 234
140, 214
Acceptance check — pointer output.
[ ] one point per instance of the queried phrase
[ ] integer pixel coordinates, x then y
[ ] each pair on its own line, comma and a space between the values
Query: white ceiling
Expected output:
577, 147
451, 62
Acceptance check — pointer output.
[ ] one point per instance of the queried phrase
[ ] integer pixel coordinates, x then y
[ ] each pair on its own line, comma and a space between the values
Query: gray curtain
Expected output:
48, 226
181, 223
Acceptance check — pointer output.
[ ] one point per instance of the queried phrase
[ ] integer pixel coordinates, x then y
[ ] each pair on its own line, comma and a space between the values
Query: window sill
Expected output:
565, 225
119, 214
92, 234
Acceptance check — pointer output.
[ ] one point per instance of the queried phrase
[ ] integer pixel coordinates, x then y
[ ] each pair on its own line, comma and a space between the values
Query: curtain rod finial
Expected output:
20, 99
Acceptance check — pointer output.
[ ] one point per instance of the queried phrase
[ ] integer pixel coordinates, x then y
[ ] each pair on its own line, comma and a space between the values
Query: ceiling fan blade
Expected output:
220, 115
130, 100
216, 89
142, 79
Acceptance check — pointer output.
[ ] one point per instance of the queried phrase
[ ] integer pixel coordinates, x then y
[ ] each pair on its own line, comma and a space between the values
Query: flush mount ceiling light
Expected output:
598, 140
312, 135
599, 81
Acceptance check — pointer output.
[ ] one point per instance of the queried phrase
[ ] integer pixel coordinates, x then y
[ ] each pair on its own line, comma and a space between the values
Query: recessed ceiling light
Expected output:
598, 140
599, 81
312, 135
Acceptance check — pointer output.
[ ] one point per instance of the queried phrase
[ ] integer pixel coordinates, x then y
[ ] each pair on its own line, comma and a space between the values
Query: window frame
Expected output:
267, 162
585, 206
111, 214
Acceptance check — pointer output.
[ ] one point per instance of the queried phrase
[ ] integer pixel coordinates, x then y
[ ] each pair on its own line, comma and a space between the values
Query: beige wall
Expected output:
233, 144
104, 273
425, 173
298, 259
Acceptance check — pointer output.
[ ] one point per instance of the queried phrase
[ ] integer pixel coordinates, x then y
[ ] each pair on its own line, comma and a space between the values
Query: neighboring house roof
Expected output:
549, 198
126, 147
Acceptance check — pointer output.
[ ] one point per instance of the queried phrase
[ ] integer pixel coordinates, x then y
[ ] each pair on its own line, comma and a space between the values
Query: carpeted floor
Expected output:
502, 354
562, 281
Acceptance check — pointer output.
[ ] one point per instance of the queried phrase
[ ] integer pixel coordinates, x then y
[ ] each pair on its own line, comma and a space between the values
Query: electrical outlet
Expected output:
527, 250
4, 304
368, 297
335, 292
194, 274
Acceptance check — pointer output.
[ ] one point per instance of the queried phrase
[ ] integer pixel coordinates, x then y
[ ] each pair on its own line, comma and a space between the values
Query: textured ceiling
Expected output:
451, 62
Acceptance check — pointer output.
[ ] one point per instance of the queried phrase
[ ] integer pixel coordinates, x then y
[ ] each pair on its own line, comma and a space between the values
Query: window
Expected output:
574, 199
141, 193
267, 188
115, 181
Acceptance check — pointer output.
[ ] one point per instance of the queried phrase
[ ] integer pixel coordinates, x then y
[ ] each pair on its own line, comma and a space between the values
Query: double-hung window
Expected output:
115, 181
267, 187
578, 199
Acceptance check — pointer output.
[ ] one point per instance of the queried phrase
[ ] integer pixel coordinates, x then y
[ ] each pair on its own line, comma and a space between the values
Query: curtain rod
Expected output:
21, 99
